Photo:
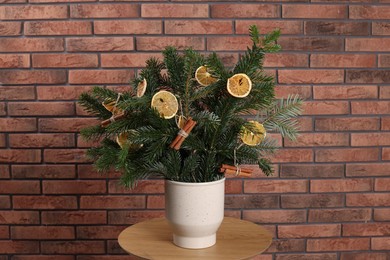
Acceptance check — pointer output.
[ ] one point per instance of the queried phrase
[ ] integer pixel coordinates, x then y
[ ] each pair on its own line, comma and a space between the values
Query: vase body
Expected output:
194, 211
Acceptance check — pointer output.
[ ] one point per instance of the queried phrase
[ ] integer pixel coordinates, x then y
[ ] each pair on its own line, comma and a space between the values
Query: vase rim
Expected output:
196, 183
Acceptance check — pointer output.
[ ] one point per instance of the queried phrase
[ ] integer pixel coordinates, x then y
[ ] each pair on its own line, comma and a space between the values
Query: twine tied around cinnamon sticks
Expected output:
183, 134
235, 170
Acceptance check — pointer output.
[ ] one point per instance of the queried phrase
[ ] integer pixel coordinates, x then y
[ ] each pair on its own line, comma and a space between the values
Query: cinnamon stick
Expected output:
112, 119
228, 169
234, 172
179, 139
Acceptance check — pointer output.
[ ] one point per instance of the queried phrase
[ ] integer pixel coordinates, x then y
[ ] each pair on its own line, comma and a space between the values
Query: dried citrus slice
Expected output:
141, 88
110, 105
203, 76
239, 85
121, 139
254, 134
165, 103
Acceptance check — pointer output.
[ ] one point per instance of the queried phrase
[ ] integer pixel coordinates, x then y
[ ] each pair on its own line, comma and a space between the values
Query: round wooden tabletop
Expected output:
236, 239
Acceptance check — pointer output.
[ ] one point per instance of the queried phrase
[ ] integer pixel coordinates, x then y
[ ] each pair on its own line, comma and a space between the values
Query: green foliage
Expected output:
220, 117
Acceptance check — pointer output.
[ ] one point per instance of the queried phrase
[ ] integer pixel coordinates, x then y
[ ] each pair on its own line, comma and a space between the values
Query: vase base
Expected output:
194, 242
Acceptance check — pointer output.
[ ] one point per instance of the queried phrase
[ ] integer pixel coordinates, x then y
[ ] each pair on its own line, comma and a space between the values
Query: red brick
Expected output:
41, 108
143, 187
129, 10
382, 214
4, 232
336, 28
307, 171
17, 93
17, 12
99, 44
314, 11
345, 92
364, 256
78, 217
61, 93
382, 184
311, 76
20, 156
318, 139
347, 155
175, 10
18, 247
112, 202
5, 203
43, 171
133, 216
42, 233
380, 28
338, 244
10, 28
275, 186
99, 232
64, 60
18, 124
366, 229
43, 257
368, 200
287, 245
15, 77
19, 187
159, 43
371, 169
58, 28
251, 201
73, 247
303, 231
367, 44
19, 217
275, 216
367, 76
198, 27
31, 44
2, 140
65, 156
286, 60
347, 124
311, 44
74, 187
293, 155
106, 257
384, 92
325, 108
64, 124
341, 185
307, 256
266, 26
100, 76
118, 60
369, 107
14, 60
380, 243
312, 200
155, 202
234, 186
44, 202
369, 12
41, 140
127, 27
227, 43
83, 143
339, 215
384, 61
385, 123
283, 91
343, 60
370, 139
113, 247
244, 11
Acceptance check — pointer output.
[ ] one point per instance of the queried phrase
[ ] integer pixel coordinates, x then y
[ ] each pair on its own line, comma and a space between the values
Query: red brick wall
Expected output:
330, 196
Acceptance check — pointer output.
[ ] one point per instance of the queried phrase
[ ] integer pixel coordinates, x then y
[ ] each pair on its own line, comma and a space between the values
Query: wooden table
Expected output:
236, 239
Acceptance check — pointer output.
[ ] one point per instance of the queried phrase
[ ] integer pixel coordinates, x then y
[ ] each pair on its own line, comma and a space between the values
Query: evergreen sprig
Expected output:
220, 117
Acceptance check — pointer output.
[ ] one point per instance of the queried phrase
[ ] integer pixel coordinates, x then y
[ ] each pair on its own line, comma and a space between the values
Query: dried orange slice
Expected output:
165, 103
203, 76
239, 85
250, 137
111, 106
141, 88
121, 139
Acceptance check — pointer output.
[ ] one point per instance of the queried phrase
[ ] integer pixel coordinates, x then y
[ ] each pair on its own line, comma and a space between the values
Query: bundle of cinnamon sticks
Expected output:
183, 133
112, 119
236, 171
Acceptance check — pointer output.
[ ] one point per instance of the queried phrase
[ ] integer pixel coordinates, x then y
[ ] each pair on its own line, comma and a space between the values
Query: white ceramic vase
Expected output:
194, 211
